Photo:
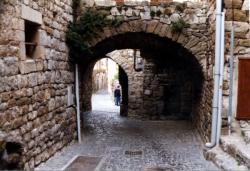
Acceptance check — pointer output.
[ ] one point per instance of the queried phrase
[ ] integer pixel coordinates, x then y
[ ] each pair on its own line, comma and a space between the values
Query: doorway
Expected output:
243, 111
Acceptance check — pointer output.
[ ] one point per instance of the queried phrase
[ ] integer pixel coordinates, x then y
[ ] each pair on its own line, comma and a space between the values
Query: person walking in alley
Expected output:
117, 94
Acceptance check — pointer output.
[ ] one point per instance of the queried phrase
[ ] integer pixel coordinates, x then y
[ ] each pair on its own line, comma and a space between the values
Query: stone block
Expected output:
18, 24
246, 5
115, 11
151, 26
8, 66
105, 3
165, 20
147, 92
32, 79
27, 66
22, 51
39, 52
145, 15
175, 17
43, 41
241, 27
31, 15
236, 15
39, 65
237, 4
244, 42
19, 35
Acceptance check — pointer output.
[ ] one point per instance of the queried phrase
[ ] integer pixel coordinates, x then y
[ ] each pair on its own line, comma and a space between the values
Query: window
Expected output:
31, 38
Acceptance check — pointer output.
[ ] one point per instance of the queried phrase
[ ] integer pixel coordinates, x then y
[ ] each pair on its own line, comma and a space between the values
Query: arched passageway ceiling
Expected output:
155, 22
120, 57
151, 36
192, 49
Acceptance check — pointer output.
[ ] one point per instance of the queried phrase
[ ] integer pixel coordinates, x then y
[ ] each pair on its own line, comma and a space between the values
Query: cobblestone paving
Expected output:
102, 101
168, 145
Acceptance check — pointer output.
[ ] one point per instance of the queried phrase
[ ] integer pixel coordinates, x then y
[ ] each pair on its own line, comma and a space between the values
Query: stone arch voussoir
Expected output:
120, 61
194, 44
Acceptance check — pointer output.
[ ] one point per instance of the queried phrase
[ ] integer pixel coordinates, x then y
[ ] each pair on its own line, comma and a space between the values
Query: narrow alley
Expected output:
129, 145
125, 85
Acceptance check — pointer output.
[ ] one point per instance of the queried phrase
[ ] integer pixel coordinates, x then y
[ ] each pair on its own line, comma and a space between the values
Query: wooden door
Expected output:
243, 105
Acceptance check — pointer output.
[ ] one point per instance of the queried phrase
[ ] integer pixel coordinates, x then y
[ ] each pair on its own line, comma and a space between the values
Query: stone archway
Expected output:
194, 40
86, 86
154, 37
157, 43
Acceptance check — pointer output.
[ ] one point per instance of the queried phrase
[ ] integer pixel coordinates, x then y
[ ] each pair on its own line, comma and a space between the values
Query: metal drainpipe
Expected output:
77, 103
231, 63
216, 75
221, 77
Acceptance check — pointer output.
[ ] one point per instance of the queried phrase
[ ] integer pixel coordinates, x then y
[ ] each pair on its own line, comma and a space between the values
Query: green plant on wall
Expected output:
84, 28
178, 26
152, 14
180, 7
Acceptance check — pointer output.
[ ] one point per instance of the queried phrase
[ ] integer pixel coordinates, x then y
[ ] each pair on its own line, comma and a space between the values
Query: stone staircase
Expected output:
233, 152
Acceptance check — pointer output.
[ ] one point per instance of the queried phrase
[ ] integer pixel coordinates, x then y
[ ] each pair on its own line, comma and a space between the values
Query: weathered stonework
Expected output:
142, 30
156, 93
33, 91
231, 152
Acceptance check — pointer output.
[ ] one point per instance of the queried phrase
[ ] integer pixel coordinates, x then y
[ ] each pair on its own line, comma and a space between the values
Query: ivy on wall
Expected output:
178, 26
85, 27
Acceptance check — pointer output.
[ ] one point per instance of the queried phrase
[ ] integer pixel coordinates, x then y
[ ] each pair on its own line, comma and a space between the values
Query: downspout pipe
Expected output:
221, 77
77, 103
231, 63
218, 14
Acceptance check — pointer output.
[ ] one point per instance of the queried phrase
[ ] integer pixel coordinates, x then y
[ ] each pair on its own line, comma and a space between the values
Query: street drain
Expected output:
133, 152
159, 168
83, 163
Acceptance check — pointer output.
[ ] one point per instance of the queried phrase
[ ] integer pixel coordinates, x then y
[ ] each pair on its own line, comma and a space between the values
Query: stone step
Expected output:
245, 130
223, 160
237, 148
246, 135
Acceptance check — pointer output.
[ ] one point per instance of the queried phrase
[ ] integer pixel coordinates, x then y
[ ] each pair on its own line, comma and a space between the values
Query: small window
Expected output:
31, 38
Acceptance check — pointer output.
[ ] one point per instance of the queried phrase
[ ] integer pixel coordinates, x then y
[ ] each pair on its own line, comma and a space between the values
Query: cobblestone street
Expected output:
102, 101
162, 145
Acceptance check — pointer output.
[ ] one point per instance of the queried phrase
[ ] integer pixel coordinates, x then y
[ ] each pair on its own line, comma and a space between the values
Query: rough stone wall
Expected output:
160, 91
34, 91
168, 91
203, 120
239, 13
86, 87
139, 18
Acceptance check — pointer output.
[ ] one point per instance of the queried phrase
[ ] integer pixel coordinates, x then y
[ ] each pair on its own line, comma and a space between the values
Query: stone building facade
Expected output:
100, 75
35, 77
36, 81
188, 48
